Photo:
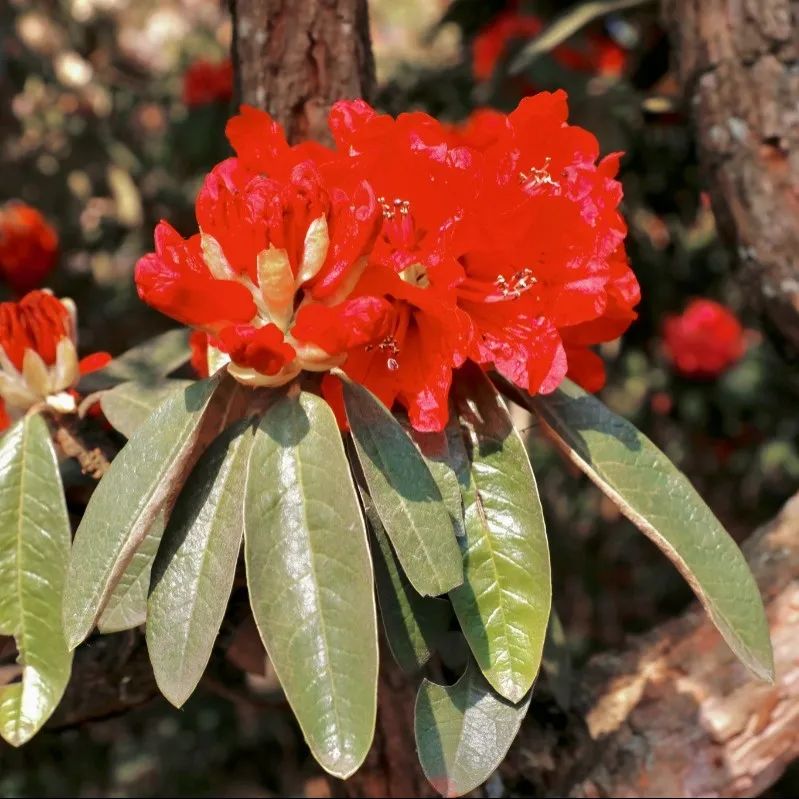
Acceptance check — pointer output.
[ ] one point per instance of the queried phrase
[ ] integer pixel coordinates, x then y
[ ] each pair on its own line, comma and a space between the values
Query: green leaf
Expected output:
127, 606
503, 605
413, 623
405, 495
34, 549
557, 664
565, 26
193, 573
145, 363
128, 500
128, 405
310, 579
464, 731
436, 453
660, 501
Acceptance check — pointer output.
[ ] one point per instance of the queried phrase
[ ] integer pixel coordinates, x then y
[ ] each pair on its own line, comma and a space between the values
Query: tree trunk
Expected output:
736, 61
295, 58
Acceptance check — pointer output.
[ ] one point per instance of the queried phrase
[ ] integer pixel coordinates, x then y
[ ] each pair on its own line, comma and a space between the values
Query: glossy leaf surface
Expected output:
405, 495
310, 579
464, 731
503, 605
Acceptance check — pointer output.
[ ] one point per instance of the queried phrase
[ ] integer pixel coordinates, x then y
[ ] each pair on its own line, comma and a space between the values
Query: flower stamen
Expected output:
538, 176
517, 284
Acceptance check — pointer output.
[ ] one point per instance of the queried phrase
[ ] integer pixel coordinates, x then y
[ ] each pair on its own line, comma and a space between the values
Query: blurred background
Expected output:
112, 111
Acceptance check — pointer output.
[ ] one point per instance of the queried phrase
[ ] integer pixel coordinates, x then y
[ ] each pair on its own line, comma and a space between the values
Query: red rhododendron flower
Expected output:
407, 250
703, 341
28, 247
278, 245
38, 356
491, 42
206, 82
599, 55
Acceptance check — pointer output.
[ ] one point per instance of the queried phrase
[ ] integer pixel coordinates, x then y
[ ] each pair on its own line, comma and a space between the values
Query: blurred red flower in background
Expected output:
598, 55
206, 82
704, 341
489, 45
28, 247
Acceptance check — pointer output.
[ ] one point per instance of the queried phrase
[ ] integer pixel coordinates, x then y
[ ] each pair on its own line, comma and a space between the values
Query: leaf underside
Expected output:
193, 574
127, 502
663, 504
34, 550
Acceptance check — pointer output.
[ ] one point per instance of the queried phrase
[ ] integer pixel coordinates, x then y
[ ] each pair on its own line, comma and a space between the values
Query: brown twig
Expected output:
71, 440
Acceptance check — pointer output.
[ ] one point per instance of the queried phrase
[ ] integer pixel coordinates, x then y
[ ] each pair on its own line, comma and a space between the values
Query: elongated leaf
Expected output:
414, 624
556, 663
662, 503
435, 449
310, 579
128, 500
34, 548
193, 574
569, 23
503, 605
128, 405
464, 731
126, 607
405, 495
145, 363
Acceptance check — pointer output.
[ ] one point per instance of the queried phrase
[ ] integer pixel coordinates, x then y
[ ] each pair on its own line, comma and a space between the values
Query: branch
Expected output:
675, 714
94, 458
736, 63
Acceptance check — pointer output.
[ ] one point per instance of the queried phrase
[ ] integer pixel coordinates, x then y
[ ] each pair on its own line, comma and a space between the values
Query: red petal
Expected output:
259, 348
91, 363
176, 281
340, 328
587, 369
198, 343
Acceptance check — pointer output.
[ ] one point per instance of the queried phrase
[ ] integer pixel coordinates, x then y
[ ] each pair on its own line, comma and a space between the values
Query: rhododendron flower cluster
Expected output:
38, 356
28, 247
206, 82
407, 250
704, 341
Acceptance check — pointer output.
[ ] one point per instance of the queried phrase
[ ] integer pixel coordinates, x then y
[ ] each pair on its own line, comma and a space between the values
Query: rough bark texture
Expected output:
738, 63
295, 58
675, 714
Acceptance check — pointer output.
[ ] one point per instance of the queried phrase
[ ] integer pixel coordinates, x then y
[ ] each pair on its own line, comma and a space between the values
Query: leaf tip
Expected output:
763, 668
342, 766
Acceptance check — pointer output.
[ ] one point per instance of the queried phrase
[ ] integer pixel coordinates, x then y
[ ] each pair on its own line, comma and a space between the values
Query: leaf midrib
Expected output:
514, 670
420, 539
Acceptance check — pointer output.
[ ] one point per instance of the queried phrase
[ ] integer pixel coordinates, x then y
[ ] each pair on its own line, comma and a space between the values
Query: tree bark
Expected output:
295, 58
676, 714
736, 61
